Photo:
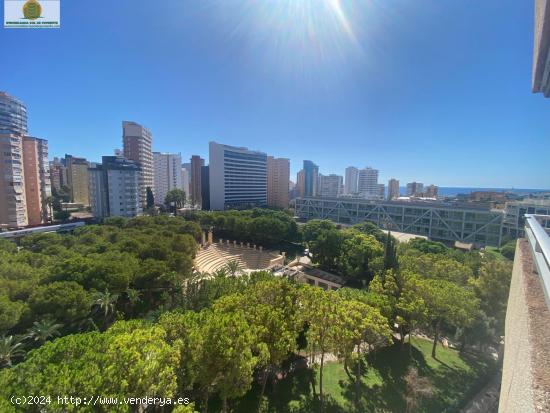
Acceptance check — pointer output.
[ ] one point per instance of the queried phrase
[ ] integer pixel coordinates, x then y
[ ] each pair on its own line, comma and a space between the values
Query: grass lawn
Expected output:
456, 378
495, 253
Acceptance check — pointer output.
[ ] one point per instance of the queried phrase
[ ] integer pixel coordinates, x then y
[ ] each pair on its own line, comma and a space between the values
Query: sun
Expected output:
315, 30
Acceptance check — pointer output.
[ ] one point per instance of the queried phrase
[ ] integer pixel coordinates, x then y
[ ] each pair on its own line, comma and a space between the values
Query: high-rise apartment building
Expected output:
382, 191
415, 188
13, 115
393, 189
45, 178
300, 183
77, 179
352, 180
13, 126
291, 185
25, 185
98, 191
291, 190
32, 181
187, 165
137, 141
58, 174
187, 178
311, 178
115, 188
196, 192
330, 186
238, 177
278, 177
368, 183
13, 206
37, 179
168, 176
431, 191
186, 182
205, 188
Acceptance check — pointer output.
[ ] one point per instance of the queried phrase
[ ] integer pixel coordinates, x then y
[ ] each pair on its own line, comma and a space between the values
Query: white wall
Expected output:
216, 177
167, 174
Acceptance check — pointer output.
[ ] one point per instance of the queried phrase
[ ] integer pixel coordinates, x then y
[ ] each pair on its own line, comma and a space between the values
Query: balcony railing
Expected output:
537, 233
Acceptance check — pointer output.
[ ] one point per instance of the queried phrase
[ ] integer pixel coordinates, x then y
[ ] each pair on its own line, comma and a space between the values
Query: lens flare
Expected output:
336, 6
303, 36
301, 40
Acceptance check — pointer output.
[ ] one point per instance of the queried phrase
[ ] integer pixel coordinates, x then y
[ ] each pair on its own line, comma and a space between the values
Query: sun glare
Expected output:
301, 36
336, 6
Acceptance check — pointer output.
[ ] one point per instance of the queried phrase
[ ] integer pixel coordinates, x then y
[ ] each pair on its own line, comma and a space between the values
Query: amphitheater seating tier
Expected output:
212, 258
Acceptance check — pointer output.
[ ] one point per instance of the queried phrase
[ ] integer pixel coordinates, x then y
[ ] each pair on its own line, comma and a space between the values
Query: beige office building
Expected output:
278, 177
78, 179
138, 142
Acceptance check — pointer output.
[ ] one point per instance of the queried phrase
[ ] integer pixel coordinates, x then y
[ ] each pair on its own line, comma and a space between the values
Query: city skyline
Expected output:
450, 118
298, 169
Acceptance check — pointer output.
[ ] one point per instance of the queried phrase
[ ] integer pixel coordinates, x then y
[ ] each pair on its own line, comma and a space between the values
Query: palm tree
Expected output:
42, 331
233, 267
417, 387
221, 273
134, 297
202, 276
10, 348
105, 302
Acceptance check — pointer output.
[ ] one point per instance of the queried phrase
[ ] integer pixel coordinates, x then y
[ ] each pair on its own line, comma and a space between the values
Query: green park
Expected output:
119, 310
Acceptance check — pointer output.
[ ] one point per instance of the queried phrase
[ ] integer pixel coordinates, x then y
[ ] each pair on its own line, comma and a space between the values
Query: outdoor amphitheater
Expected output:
214, 256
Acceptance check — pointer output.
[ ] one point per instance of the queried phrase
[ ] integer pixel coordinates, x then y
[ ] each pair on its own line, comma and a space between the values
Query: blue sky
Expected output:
436, 91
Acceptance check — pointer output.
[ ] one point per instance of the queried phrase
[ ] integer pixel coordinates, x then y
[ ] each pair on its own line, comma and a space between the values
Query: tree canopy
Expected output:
116, 309
175, 198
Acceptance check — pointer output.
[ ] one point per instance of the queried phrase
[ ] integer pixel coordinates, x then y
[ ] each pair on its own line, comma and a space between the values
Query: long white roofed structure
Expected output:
437, 221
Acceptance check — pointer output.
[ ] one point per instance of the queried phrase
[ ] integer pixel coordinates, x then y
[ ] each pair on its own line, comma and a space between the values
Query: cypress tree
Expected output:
150, 198
390, 253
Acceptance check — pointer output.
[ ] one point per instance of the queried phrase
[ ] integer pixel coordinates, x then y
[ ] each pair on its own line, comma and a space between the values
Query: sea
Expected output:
453, 191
